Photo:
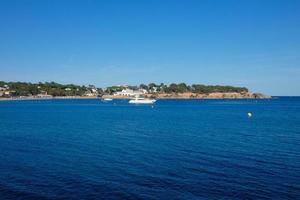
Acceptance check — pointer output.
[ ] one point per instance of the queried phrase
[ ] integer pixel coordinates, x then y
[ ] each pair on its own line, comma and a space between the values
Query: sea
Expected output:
173, 149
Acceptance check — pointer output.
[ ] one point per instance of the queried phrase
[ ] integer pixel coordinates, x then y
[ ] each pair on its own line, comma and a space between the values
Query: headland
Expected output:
52, 90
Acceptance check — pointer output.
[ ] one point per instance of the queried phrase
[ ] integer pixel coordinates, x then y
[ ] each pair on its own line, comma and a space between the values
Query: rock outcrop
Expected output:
215, 95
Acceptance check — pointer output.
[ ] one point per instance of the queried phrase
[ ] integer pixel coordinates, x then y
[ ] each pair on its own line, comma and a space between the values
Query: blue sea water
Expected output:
177, 149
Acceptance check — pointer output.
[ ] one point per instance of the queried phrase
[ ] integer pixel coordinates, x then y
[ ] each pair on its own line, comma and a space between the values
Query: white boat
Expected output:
107, 99
139, 100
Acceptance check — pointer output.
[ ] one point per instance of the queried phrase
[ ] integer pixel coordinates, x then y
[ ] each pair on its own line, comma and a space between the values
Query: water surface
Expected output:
177, 149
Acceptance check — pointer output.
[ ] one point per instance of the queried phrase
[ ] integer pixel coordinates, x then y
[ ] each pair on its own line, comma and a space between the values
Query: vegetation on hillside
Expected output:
50, 88
57, 89
179, 88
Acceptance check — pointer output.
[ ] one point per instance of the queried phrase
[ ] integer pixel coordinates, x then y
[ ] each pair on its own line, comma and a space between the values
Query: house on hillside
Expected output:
95, 91
130, 92
44, 95
7, 93
91, 93
4, 88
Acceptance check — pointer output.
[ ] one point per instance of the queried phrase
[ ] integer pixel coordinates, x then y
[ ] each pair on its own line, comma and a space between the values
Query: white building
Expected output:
91, 93
130, 93
94, 90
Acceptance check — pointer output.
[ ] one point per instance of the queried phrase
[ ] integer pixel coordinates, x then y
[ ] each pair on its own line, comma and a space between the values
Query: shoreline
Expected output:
47, 98
128, 98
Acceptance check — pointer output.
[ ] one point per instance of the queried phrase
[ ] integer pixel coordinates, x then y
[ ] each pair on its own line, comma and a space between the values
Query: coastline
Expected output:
50, 98
10, 91
182, 96
189, 95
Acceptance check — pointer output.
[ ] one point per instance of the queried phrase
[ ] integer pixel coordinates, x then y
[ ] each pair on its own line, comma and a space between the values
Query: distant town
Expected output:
47, 90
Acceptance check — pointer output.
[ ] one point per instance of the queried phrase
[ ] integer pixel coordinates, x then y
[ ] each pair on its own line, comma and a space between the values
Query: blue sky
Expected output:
254, 43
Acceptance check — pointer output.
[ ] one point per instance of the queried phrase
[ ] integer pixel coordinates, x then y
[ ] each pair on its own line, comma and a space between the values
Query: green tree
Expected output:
143, 86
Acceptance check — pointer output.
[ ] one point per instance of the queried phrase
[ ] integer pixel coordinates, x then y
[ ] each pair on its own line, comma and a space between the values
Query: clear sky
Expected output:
254, 43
